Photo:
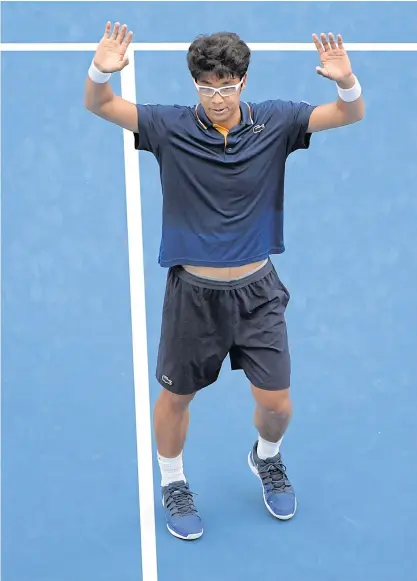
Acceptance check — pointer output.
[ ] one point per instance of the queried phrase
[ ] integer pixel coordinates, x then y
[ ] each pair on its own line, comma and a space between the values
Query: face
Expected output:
221, 109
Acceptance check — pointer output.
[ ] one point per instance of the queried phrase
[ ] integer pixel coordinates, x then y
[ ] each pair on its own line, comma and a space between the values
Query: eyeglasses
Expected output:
223, 91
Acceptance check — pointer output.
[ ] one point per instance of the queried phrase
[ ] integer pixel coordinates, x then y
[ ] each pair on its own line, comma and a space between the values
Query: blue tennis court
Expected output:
74, 413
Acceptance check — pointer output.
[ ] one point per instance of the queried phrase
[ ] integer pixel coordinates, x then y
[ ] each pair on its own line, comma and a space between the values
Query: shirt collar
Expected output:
205, 121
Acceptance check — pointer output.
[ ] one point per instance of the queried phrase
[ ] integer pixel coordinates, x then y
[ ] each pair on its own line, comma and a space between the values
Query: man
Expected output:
222, 168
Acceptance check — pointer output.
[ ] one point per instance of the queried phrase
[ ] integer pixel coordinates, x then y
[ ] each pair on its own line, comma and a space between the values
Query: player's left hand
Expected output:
335, 63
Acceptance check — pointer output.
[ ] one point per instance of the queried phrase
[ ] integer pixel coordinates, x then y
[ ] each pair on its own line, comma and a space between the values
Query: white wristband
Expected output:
351, 94
97, 76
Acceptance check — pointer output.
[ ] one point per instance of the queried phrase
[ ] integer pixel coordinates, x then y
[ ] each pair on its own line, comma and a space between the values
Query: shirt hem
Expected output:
220, 264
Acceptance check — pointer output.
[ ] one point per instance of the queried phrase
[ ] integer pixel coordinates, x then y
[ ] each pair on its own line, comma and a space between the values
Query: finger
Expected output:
122, 33
340, 41
332, 40
128, 39
324, 42
322, 72
115, 31
317, 43
107, 29
125, 44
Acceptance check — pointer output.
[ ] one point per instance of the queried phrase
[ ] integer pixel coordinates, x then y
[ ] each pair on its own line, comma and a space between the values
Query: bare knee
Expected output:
273, 402
174, 401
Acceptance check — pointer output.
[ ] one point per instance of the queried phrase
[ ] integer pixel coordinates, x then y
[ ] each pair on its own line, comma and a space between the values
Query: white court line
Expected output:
183, 46
139, 339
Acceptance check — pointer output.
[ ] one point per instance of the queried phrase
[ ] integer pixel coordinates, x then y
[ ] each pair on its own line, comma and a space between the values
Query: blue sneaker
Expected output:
278, 493
182, 518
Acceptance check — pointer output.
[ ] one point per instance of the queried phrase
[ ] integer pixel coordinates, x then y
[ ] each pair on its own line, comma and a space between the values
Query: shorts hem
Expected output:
263, 386
172, 388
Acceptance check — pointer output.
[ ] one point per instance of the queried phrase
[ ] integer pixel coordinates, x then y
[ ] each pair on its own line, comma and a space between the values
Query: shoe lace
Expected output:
180, 501
273, 476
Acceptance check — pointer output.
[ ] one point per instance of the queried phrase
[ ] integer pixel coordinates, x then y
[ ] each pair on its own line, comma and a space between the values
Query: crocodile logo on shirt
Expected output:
258, 128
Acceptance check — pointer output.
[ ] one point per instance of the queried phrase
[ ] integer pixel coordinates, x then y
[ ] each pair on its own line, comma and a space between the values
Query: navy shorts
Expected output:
204, 321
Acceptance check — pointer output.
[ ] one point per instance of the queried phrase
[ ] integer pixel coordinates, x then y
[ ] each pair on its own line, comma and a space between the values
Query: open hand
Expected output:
335, 63
111, 51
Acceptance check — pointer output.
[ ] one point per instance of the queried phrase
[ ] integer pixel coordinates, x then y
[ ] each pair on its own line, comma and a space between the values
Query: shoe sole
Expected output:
190, 537
278, 516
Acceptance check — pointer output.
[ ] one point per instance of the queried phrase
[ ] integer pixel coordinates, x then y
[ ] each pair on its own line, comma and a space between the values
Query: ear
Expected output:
245, 79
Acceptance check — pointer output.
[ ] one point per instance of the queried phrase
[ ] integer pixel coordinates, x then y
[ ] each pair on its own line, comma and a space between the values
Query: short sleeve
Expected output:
299, 117
154, 122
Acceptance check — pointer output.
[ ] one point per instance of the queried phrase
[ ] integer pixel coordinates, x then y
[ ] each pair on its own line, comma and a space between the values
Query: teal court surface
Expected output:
82, 295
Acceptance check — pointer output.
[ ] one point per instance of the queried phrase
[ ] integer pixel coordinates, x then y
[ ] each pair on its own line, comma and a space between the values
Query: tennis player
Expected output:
222, 164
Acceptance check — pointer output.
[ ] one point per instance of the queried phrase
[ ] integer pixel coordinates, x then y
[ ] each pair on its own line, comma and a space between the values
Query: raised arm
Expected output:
110, 57
335, 65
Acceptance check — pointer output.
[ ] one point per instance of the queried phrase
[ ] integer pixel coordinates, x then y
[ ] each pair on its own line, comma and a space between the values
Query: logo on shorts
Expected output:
166, 380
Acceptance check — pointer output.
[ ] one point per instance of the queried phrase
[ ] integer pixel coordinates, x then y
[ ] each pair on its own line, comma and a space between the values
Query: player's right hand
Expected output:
111, 51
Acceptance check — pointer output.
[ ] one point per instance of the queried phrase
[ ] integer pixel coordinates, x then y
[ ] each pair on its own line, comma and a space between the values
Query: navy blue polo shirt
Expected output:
222, 195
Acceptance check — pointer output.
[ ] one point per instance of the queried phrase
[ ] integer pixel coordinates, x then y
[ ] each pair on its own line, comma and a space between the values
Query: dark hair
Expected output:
222, 54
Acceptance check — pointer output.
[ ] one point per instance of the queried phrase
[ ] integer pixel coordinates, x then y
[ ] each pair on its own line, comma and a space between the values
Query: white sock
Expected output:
171, 469
267, 449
